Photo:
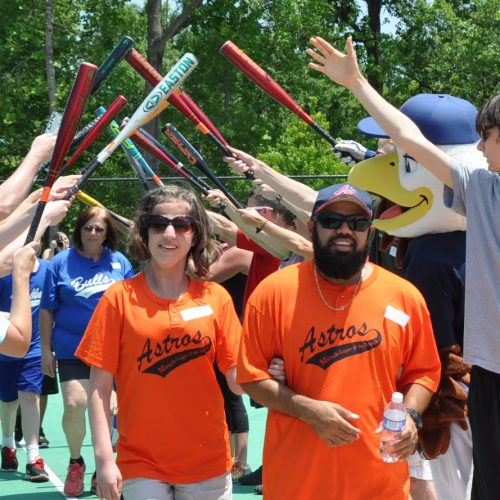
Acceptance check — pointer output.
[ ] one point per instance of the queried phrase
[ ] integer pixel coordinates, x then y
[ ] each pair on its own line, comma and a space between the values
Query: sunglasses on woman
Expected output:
97, 229
331, 220
182, 224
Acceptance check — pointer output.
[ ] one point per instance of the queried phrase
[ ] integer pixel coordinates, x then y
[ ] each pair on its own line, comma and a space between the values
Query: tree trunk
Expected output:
373, 42
49, 53
158, 36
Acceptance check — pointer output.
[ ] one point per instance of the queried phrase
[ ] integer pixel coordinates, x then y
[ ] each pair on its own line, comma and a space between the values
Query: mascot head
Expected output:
414, 195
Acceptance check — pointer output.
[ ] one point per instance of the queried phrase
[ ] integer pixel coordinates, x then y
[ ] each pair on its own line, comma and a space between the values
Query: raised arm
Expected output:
343, 69
17, 186
295, 192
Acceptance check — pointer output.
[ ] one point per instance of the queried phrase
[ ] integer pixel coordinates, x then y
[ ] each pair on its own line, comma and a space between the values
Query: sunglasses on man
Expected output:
332, 220
182, 224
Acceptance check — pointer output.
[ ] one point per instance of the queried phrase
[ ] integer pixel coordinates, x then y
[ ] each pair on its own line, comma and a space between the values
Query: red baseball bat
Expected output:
270, 86
183, 103
69, 124
103, 121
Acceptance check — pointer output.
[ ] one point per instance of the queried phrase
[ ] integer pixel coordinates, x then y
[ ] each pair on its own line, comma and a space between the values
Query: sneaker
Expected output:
93, 484
258, 489
252, 479
238, 471
43, 442
73, 486
9, 460
35, 472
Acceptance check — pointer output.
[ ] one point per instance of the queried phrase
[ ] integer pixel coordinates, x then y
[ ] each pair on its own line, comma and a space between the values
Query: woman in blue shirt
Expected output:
74, 283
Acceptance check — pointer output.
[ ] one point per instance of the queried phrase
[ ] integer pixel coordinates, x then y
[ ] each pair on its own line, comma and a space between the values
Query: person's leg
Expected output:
74, 377
217, 488
75, 405
9, 374
49, 386
421, 484
484, 409
145, 489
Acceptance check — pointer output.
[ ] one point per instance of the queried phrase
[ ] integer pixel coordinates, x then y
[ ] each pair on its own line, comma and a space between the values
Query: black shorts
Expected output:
49, 386
72, 369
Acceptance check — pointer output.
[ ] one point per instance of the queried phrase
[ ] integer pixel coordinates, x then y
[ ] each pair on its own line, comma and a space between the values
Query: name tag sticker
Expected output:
196, 312
392, 251
397, 316
116, 265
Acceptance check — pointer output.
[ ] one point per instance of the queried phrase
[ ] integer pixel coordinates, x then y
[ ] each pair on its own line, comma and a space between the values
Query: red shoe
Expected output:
73, 486
9, 460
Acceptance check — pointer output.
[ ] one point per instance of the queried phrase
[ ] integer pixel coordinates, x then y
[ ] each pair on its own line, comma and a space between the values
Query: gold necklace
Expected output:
340, 308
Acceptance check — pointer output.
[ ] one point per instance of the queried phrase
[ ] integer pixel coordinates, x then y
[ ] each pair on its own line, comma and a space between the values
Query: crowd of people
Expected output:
289, 300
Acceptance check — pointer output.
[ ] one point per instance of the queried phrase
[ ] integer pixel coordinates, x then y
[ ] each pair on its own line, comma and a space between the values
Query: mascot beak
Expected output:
380, 176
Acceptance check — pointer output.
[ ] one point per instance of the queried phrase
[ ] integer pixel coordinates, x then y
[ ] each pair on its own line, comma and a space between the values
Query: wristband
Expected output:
259, 229
416, 417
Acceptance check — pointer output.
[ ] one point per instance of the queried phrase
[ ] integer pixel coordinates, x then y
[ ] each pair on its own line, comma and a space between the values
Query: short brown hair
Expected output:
489, 115
205, 250
111, 240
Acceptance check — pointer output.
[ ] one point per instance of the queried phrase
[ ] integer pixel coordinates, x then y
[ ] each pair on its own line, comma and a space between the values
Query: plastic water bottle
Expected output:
394, 423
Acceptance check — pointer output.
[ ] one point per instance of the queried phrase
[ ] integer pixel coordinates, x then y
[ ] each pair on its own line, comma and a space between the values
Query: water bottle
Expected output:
394, 423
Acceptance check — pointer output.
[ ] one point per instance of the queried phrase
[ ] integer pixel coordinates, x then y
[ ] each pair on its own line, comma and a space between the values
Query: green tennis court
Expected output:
13, 486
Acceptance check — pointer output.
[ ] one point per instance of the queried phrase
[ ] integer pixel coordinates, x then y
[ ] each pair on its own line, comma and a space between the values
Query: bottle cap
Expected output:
397, 398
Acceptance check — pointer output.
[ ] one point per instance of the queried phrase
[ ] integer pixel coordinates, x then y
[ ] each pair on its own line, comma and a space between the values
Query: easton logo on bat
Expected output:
170, 81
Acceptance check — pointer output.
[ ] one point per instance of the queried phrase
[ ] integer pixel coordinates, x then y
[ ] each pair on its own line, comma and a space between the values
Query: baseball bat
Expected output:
133, 155
144, 142
104, 70
71, 118
183, 103
270, 86
102, 122
172, 157
194, 157
152, 105
92, 202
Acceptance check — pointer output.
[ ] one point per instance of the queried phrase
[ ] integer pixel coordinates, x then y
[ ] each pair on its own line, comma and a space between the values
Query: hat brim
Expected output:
352, 199
369, 127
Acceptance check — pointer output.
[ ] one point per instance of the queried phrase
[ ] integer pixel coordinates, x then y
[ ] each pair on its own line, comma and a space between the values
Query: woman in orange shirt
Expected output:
158, 335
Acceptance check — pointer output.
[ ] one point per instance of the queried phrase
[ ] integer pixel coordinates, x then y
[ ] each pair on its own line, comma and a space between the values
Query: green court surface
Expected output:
14, 487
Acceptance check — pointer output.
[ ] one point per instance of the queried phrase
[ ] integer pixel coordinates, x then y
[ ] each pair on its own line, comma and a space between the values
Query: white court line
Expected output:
53, 477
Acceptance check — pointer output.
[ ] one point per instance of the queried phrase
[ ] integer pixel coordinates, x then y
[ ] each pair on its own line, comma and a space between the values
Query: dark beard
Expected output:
338, 265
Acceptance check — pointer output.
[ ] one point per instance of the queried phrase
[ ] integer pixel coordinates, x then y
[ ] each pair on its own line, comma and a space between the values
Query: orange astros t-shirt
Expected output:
356, 358
172, 423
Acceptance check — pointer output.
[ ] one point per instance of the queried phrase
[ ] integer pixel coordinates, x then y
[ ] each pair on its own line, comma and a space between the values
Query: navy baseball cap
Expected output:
342, 192
442, 119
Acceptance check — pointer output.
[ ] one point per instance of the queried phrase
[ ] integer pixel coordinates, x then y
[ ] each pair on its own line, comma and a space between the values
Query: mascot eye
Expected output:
410, 164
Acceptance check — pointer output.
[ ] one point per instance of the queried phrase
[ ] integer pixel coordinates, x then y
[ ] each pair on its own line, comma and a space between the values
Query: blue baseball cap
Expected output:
442, 119
342, 192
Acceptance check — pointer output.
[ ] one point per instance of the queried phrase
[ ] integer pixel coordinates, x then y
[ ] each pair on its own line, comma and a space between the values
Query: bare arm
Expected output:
109, 478
215, 198
234, 260
295, 192
17, 186
328, 420
343, 69
18, 336
231, 381
46, 325
280, 236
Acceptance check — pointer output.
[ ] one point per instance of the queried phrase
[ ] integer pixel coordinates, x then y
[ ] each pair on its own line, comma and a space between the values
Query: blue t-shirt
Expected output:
73, 286
36, 287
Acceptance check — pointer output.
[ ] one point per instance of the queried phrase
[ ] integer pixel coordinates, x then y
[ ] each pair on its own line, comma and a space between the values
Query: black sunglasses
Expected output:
182, 224
331, 220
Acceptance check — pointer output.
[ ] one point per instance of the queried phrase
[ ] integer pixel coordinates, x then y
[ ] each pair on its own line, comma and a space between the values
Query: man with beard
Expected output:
350, 334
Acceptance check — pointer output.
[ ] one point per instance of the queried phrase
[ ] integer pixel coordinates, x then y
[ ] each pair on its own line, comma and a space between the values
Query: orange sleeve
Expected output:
257, 346
100, 345
422, 363
228, 335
